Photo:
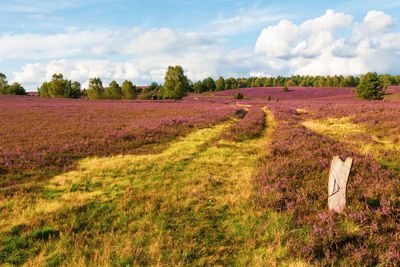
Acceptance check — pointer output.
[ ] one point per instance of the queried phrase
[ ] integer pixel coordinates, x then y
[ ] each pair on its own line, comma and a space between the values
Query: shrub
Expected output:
239, 95
15, 89
369, 87
269, 98
285, 89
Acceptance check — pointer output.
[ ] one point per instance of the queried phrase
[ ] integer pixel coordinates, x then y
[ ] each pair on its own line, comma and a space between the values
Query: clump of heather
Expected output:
249, 127
293, 179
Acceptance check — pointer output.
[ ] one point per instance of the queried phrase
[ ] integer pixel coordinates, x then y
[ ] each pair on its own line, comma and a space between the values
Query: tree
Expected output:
60, 87
75, 91
220, 84
209, 84
350, 81
198, 87
113, 91
230, 83
129, 90
43, 91
16, 89
369, 87
176, 84
3, 83
96, 90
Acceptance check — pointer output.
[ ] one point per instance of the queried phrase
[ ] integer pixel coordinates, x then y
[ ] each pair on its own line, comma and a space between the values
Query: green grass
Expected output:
192, 204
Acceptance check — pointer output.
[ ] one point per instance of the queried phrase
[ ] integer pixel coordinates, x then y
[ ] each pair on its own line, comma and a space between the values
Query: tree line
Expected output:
176, 85
221, 84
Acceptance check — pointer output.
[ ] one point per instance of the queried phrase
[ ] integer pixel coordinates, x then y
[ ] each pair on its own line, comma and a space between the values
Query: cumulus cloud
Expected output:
143, 70
334, 44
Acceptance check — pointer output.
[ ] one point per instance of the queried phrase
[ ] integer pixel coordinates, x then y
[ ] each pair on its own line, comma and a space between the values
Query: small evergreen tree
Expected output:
369, 87
269, 98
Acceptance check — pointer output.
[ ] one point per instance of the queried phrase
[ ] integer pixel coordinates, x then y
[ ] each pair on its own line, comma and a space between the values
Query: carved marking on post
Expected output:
338, 176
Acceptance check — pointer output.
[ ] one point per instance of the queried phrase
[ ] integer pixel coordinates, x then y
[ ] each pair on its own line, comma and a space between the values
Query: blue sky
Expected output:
137, 40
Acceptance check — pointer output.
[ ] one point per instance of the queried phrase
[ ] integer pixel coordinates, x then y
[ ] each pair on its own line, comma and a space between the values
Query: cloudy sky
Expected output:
137, 40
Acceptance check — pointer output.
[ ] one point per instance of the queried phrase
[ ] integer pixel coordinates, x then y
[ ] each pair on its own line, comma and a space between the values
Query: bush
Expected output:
15, 89
285, 89
239, 95
269, 98
369, 87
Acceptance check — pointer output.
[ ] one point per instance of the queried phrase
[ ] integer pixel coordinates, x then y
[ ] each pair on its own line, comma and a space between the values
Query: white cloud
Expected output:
246, 21
101, 43
197, 65
333, 44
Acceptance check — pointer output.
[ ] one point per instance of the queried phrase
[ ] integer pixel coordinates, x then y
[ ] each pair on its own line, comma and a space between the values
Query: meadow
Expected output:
208, 180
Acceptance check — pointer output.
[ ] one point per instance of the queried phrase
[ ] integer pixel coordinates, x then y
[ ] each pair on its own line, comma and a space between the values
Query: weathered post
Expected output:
338, 176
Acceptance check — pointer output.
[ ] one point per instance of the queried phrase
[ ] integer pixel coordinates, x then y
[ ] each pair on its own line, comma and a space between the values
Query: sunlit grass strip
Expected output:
361, 139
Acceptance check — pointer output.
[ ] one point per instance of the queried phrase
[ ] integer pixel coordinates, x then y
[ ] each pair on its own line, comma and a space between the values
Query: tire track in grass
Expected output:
192, 204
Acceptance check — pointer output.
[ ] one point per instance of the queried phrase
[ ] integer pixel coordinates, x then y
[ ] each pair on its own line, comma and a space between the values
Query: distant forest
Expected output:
221, 84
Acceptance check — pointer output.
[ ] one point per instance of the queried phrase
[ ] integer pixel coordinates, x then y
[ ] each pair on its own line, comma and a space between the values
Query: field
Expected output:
208, 180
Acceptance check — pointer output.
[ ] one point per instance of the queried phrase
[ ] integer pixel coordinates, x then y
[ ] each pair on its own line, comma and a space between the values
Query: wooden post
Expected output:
338, 176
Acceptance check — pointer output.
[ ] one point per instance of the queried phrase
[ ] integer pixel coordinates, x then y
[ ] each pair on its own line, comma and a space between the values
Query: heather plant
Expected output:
249, 127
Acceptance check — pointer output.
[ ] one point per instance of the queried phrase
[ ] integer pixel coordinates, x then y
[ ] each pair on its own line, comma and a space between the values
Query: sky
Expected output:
138, 40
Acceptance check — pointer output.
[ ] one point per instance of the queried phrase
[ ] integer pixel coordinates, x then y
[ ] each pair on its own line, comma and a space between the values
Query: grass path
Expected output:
192, 204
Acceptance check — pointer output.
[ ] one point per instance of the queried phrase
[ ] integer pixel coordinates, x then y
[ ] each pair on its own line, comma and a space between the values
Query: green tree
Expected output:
129, 90
369, 87
113, 91
198, 87
16, 89
209, 84
58, 86
3, 83
176, 84
350, 81
43, 91
96, 90
75, 91
230, 83
220, 84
